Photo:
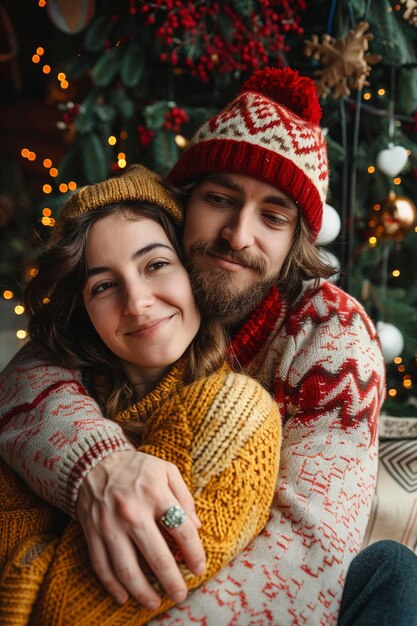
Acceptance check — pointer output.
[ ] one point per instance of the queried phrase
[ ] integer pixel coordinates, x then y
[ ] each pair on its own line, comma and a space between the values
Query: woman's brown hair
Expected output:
59, 322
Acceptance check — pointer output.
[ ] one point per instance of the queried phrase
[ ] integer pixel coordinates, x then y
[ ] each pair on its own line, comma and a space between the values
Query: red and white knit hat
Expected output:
269, 132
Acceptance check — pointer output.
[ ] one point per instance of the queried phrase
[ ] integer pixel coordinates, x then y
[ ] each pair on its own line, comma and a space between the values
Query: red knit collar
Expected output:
254, 333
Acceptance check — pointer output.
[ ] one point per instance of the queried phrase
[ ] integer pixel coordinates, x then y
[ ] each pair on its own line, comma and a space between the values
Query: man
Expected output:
257, 176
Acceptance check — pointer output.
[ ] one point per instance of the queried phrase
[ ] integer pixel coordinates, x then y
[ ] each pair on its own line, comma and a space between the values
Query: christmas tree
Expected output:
137, 78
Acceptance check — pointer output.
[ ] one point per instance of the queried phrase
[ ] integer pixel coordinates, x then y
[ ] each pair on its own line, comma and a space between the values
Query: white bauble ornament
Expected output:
330, 259
392, 341
392, 160
330, 226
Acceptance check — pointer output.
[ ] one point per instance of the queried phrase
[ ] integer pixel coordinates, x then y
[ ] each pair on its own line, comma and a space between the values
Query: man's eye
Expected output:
274, 219
220, 200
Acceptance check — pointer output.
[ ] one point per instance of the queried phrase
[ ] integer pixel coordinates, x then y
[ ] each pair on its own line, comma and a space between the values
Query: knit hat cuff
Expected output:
241, 157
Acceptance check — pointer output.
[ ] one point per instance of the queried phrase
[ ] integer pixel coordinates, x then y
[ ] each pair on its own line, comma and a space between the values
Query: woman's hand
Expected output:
119, 505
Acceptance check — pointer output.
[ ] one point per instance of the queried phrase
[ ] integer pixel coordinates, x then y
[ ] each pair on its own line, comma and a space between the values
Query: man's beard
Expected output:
217, 293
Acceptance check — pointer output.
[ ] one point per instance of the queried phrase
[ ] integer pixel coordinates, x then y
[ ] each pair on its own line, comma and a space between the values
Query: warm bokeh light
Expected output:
63, 188
392, 392
121, 155
396, 273
21, 334
371, 169
46, 212
19, 309
64, 84
112, 140
7, 295
398, 359
377, 207
47, 189
397, 181
42, 3
123, 134
45, 220
381, 92
40, 51
24, 152
36, 58
72, 185
367, 96
53, 172
372, 241
180, 141
46, 69
407, 383
121, 163
33, 272
32, 156
61, 76
401, 368
47, 163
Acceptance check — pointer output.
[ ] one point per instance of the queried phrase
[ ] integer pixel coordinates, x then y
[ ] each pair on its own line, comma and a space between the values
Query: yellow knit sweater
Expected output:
223, 432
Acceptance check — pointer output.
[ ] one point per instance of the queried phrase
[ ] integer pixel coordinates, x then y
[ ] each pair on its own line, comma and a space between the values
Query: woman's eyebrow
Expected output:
99, 269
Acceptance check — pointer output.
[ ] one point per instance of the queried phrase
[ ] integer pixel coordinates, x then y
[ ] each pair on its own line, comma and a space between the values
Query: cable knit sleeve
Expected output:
324, 362
51, 432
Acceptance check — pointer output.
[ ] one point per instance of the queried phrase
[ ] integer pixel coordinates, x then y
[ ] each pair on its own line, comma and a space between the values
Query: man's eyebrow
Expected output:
229, 183
99, 269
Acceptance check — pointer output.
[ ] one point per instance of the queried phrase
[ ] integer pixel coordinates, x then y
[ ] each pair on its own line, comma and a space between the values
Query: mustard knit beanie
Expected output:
269, 132
137, 184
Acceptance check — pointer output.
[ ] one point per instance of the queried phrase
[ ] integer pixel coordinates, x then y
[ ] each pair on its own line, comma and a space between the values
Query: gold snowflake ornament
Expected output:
346, 64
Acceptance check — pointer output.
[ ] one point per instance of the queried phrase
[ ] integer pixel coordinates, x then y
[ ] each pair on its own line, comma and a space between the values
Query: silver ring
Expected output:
173, 517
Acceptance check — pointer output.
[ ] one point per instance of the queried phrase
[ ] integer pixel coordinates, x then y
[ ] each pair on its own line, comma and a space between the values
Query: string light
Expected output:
47, 189
392, 392
381, 92
182, 141
32, 156
397, 181
19, 309
396, 273
46, 69
36, 58
7, 295
398, 360
371, 169
112, 140
72, 185
123, 135
121, 163
47, 163
24, 152
21, 334
42, 3
373, 241
367, 95
53, 172
46, 212
63, 188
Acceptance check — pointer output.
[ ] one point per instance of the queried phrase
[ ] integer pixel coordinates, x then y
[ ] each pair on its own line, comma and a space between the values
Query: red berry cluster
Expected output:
213, 36
146, 136
70, 112
174, 118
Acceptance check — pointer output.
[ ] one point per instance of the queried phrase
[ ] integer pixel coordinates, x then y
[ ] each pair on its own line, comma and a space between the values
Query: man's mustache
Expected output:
222, 248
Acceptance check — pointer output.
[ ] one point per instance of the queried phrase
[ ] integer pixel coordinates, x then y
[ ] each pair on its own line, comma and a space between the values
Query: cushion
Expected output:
394, 508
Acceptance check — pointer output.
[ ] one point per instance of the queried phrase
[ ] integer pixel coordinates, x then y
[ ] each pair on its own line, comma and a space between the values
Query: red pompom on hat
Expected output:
270, 132
287, 87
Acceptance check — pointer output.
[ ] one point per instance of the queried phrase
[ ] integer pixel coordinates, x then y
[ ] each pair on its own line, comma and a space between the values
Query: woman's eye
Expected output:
157, 265
102, 287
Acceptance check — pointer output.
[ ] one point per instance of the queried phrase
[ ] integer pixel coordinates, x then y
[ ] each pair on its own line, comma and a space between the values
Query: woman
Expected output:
112, 297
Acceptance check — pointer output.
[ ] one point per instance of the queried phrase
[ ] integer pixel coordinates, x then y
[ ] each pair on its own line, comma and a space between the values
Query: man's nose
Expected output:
239, 230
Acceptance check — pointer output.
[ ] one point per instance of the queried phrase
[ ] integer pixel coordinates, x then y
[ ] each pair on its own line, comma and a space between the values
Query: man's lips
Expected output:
150, 328
227, 263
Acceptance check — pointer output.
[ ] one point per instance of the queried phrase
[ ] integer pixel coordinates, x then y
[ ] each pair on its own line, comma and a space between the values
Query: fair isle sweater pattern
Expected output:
321, 358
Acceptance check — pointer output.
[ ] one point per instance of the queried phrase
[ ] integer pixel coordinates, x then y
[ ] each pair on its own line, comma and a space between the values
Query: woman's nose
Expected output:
138, 298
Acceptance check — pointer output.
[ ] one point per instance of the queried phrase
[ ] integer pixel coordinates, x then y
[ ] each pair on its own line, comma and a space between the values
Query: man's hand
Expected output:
119, 505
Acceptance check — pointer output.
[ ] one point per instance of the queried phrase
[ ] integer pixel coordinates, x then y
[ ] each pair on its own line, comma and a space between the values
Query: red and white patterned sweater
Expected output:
321, 358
